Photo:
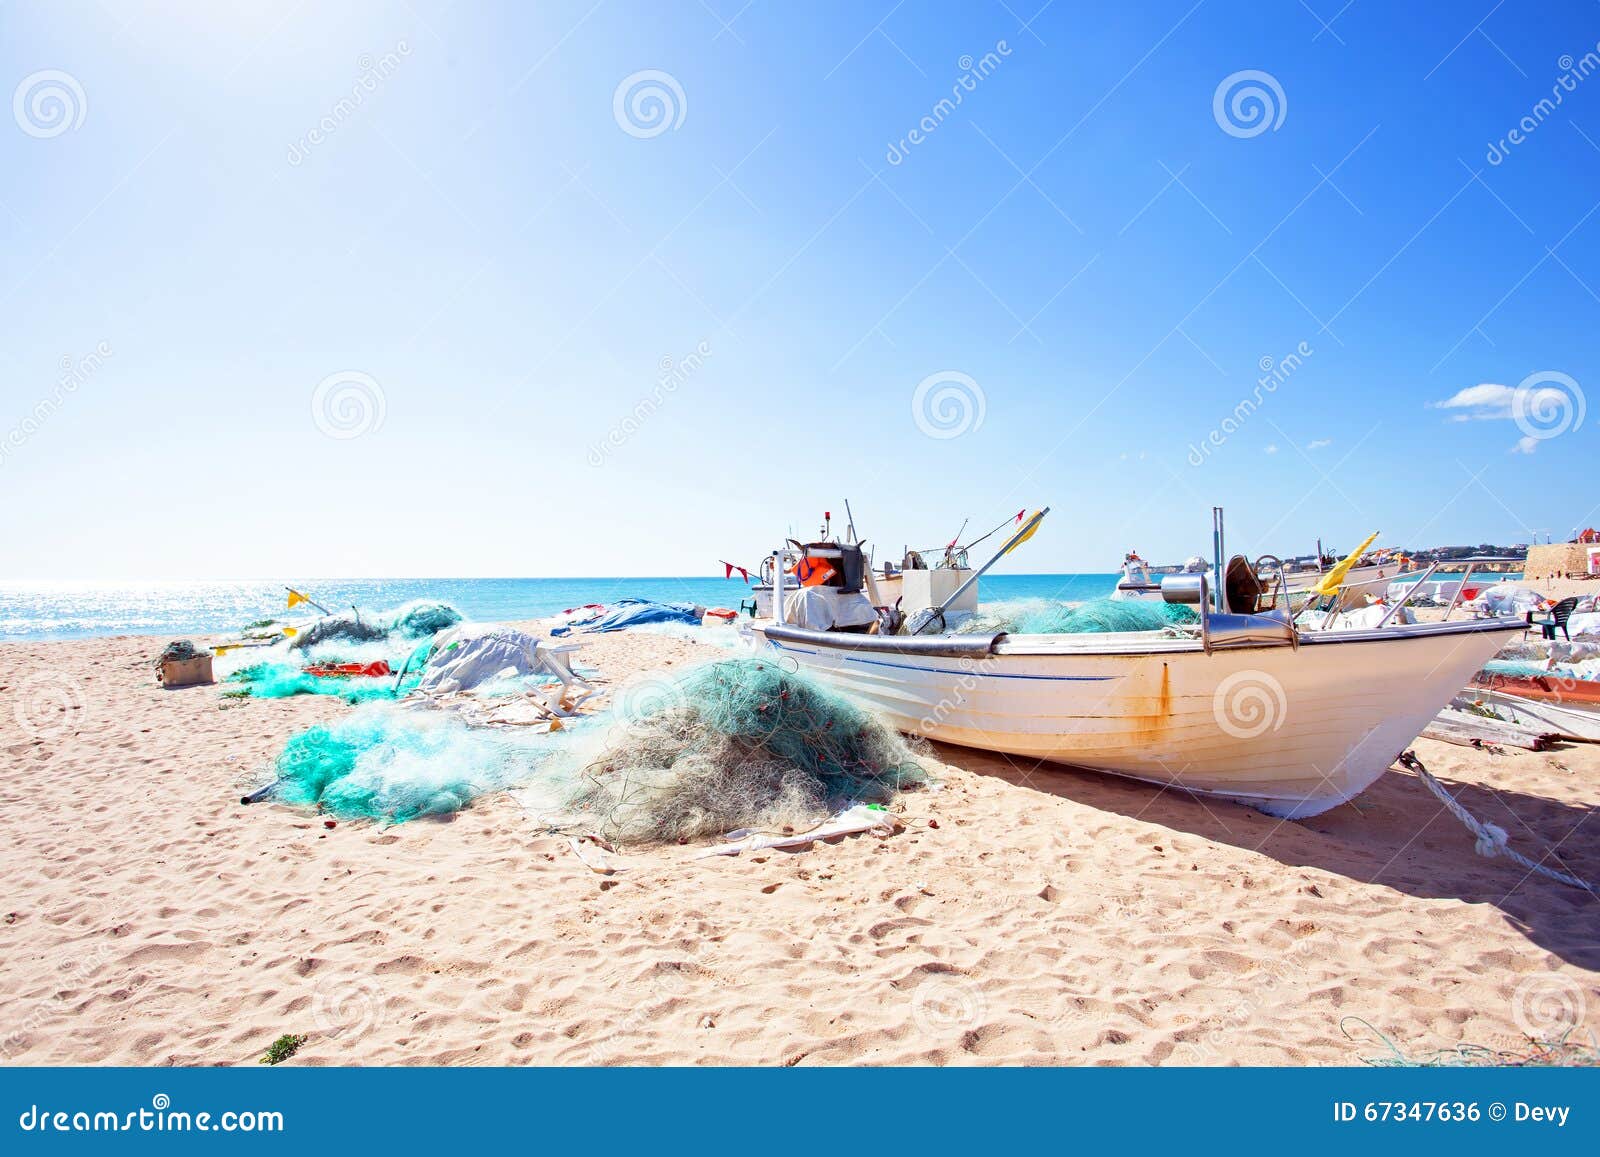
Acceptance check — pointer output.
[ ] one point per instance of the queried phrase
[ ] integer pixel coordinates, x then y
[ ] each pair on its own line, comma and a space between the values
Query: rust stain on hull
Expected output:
1152, 728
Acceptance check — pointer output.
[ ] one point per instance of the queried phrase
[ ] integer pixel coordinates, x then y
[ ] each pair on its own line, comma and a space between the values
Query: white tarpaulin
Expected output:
1508, 599
823, 609
470, 654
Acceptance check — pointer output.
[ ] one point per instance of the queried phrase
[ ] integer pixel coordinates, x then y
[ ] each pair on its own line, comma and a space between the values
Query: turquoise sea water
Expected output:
78, 610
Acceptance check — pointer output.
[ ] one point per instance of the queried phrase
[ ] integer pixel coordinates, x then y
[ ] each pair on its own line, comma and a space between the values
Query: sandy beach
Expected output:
1024, 914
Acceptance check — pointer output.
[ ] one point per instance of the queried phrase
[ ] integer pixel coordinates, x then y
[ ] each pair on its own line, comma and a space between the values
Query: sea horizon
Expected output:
66, 609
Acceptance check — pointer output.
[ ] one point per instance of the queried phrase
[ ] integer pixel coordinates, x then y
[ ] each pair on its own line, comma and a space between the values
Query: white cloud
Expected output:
1319, 444
1272, 448
1490, 401
1485, 400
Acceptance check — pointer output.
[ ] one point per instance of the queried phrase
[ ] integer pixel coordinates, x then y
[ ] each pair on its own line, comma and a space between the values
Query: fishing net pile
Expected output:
277, 680
398, 640
414, 620
1096, 616
738, 743
389, 764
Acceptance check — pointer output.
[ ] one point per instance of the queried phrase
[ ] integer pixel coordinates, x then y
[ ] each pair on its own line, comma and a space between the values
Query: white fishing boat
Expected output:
1373, 577
1571, 720
1457, 580
1241, 705
1137, 580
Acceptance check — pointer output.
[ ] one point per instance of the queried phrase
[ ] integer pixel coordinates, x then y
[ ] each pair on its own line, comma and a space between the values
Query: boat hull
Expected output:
1292, 731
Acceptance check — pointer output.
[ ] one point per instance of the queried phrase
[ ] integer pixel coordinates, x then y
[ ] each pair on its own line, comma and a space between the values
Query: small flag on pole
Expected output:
296, 598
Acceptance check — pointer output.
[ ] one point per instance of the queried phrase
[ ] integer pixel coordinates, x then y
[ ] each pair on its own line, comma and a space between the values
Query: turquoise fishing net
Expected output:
385, 763
420, 619
273, 680
739, 743
1097, 616
359, 638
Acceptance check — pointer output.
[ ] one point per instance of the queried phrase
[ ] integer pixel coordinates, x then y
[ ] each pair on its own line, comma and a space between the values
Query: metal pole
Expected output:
1216, 548
1010, 542
1460, 590
925, 618
1405, 598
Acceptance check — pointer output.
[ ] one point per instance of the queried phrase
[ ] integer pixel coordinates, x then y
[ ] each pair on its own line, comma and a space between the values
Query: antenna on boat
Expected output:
927, 616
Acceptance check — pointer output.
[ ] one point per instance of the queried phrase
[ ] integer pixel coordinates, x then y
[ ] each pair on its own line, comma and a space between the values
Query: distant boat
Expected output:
1140, 580
1136, 580
1299, 582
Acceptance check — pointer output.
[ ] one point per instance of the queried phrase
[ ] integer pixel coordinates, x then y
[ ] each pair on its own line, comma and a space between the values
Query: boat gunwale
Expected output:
1111, 643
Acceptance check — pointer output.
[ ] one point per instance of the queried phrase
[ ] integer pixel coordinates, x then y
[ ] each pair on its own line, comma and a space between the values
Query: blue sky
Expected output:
412, 288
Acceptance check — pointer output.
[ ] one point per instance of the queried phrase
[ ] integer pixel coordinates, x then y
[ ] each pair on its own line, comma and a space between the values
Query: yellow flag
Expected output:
1027, 531
295, 599
290, 631
1335, 578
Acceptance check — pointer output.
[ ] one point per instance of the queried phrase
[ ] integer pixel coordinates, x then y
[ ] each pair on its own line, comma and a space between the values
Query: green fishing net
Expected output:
386, 763
739, 743
273, 680
413, 620
1098, 616
420, 619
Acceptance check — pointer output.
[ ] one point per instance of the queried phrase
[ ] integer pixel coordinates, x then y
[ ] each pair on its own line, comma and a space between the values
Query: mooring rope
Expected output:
1490, 839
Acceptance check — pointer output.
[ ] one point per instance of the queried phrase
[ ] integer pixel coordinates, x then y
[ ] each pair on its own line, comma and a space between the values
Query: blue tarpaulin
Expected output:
638, 612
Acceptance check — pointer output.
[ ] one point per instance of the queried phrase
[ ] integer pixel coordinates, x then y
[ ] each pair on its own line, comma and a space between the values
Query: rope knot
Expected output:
1491, 840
